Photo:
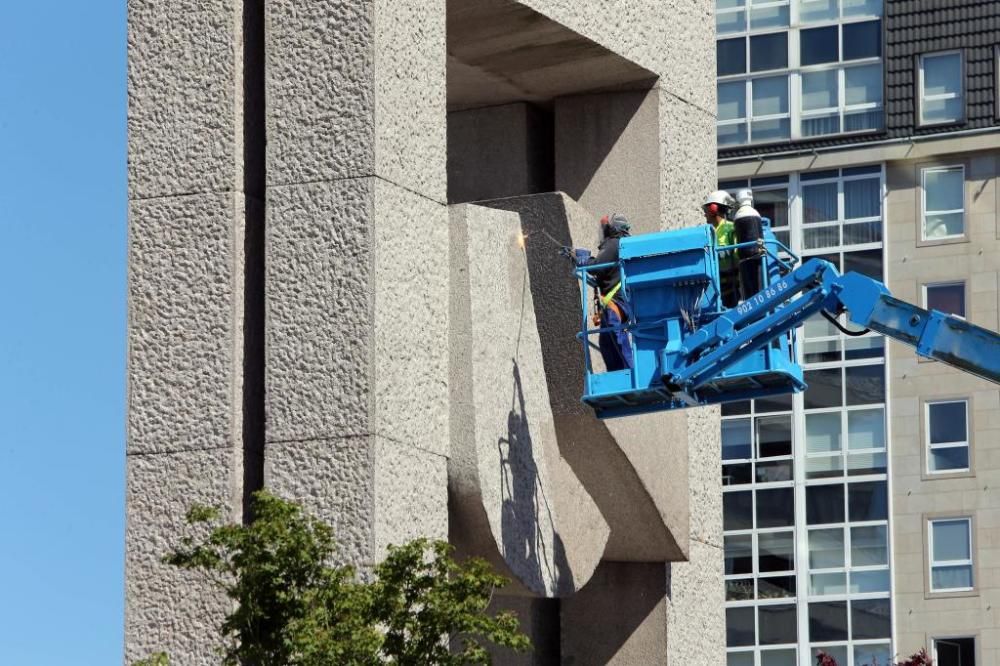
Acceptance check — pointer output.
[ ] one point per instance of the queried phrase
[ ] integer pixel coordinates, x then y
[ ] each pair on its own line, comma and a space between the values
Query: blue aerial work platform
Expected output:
690, 350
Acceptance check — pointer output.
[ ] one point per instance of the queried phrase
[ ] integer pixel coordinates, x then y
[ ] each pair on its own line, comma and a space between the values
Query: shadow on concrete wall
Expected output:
524, 503
587, 130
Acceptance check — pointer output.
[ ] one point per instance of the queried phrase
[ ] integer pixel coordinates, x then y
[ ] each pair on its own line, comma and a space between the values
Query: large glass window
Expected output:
943, 202
835, 67
950, 548
940, 80
823, 453
947, 432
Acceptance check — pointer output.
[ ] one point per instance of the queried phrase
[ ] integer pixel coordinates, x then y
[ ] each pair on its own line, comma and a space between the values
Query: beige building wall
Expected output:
917, 496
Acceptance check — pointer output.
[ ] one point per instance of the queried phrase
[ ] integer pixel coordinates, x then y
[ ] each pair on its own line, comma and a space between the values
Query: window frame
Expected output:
961, 94
794, 71
933, 640
929, 590
926, 286
925, 439
922, 239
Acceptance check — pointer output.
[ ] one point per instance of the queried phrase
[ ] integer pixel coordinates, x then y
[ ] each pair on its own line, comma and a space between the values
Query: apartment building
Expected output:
862, 518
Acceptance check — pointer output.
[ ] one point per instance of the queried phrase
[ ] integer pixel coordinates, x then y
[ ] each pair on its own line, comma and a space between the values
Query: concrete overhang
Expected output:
500, 51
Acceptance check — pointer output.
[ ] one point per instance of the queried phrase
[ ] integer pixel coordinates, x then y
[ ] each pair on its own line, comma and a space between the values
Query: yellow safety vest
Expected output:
725, 234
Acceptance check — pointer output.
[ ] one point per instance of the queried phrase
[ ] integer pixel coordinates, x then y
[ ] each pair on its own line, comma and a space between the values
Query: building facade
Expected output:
343, 287
861, 517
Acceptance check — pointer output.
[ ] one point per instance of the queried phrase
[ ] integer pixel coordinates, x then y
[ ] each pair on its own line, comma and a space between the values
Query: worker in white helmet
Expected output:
717, 208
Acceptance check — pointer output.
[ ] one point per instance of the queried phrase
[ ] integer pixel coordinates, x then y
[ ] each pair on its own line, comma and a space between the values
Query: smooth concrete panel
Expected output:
357, 89
185, 322
167, 609
333, 479
674, 39
184, 123
607, 156
620, 617
499, 151
696, 615
508, 481
621, 462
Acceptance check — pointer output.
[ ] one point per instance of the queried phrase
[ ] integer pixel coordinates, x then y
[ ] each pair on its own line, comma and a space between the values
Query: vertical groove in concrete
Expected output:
254, 179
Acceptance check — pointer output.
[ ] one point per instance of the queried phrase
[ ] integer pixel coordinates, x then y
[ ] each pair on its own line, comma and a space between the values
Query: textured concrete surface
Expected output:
696, 615
357, 291
356, 318
623, 463
620, 617
357, 357
499, 151
506, 475
184, 122
185, 313
333, 478
607, 155
357, 89
193, 213
167, 609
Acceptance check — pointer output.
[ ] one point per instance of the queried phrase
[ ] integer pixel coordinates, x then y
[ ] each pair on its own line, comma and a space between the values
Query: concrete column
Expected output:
357, 267
195, 208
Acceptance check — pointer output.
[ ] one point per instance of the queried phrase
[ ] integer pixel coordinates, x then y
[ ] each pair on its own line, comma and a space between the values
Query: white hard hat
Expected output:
719, 198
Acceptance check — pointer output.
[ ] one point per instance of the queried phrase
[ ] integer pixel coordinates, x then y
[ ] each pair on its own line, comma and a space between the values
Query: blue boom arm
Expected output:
818, 286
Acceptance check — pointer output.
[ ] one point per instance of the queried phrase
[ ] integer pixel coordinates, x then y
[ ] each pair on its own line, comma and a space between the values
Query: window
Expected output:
958, 651
940, 79
942, 203
766, 98
766, 56
822, 582
947, 297
950, 548
947, 432
847, 99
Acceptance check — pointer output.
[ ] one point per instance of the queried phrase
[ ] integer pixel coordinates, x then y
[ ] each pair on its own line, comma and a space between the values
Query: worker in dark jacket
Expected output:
615, 346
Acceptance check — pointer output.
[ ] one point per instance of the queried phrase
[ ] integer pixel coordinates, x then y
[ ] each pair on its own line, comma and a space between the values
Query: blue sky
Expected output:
62, 330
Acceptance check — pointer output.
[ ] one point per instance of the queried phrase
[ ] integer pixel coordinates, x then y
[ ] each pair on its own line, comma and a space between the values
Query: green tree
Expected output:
291, 606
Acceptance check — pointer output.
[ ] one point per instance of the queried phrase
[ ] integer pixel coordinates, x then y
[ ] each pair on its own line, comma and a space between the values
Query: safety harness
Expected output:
607, 301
